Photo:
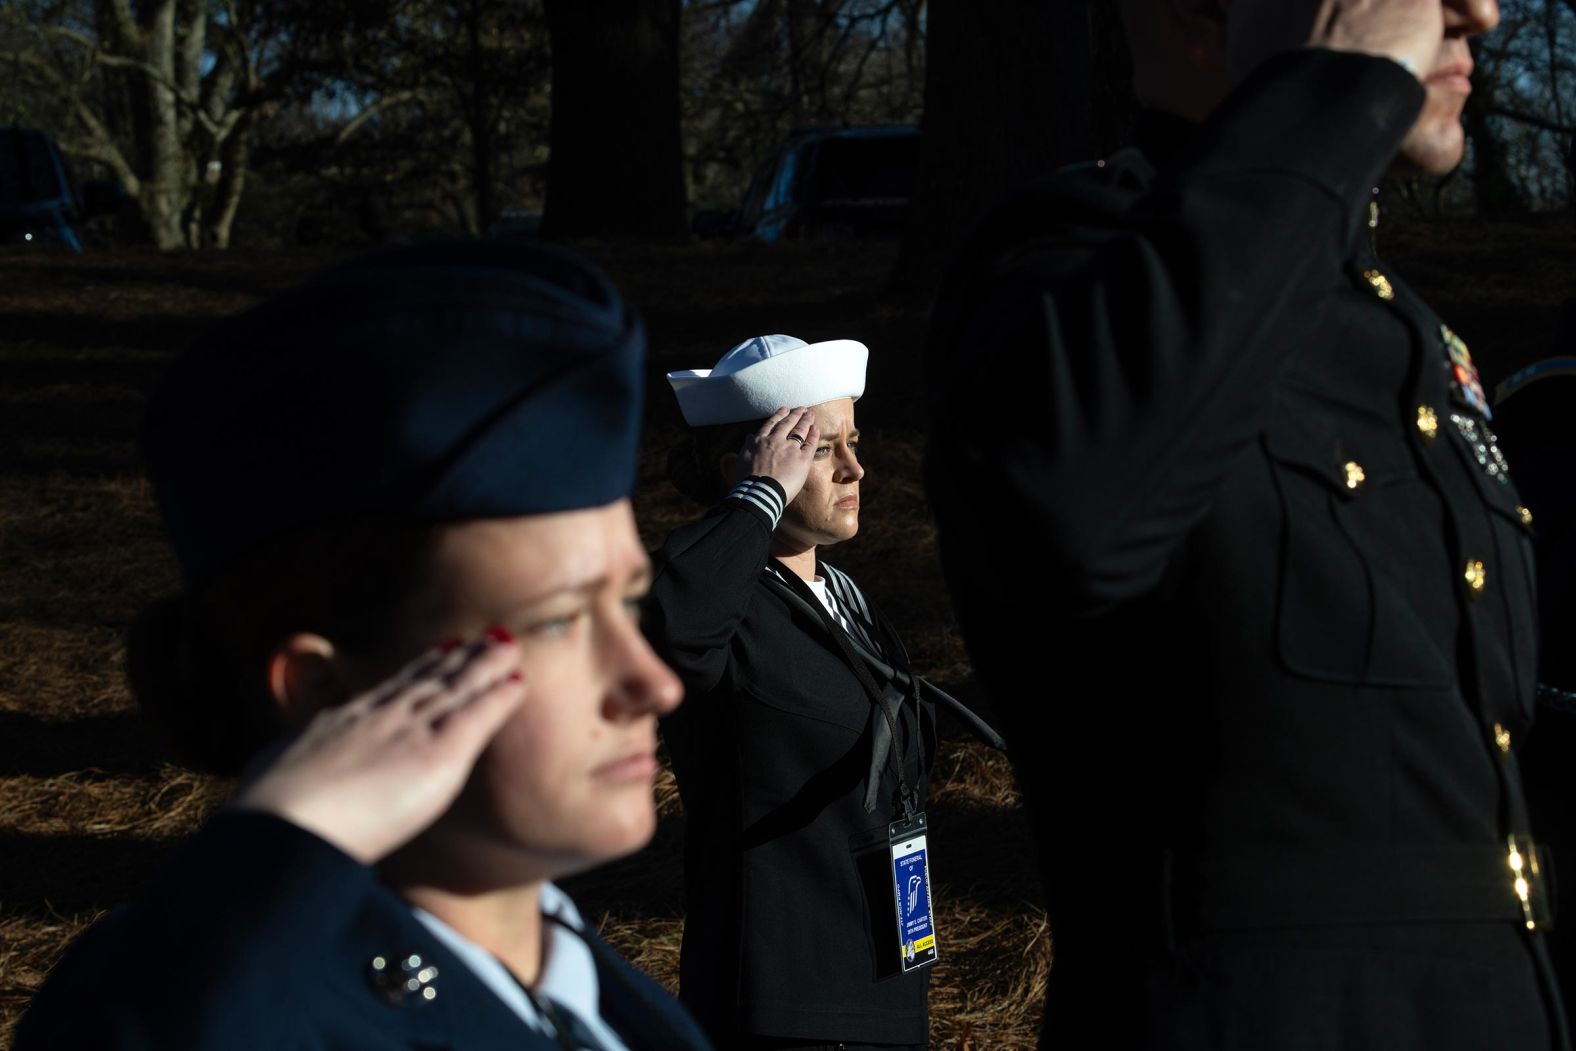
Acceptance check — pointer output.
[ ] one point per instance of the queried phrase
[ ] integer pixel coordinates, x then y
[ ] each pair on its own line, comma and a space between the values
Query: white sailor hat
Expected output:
763, 374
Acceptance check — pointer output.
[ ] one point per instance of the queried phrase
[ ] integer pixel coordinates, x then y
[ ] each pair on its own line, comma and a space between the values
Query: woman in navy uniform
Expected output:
398, 495
804, 737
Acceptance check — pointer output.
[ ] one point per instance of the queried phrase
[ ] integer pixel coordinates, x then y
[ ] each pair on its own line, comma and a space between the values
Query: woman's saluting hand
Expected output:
370, 774
782, 449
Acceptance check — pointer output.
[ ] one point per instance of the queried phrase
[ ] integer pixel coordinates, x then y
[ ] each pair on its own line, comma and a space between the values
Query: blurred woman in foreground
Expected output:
398, 495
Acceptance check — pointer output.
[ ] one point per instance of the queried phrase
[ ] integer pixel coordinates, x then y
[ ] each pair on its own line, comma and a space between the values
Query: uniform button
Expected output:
1526, 515
1476, 578
1380, 284
1427, 422
1502, 738
1354, 474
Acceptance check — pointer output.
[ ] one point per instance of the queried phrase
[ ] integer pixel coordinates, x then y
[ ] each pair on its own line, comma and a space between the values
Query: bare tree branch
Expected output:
1551, 33
100, 145
856, 79
107, 155
232, 182
125, 22
188, 70
398, 98
1532, 119
147, 69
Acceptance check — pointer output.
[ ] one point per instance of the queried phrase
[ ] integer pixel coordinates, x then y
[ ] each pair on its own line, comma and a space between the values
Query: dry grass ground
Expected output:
87, 805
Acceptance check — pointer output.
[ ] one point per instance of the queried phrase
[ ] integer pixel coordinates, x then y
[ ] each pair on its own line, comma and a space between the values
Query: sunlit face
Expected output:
1256, 29
827, 508
567, 783
1437, 142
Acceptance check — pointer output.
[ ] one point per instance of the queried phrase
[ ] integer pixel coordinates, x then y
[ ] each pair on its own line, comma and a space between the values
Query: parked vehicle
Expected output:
39, 202
829, 183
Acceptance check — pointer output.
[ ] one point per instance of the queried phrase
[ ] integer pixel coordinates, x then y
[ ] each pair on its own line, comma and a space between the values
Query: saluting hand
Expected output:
1408, 31
782, 449
1411, 32
372, 773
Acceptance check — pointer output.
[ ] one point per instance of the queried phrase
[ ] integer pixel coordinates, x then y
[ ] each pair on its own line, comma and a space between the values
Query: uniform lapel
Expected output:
873, 639
642, 1014
801, 601
460, 1013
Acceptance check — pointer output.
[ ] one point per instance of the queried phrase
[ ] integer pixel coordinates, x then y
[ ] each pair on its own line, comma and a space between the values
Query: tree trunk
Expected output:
484, 178
1012, 92
479, 104
805, 25
232, 183
169, 182
616, 163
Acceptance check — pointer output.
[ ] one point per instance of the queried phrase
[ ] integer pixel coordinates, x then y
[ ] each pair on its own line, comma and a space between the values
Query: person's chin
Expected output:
619, 829
637, 824
1436, 144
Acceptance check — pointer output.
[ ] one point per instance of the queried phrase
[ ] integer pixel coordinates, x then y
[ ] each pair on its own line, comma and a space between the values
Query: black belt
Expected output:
1279, 887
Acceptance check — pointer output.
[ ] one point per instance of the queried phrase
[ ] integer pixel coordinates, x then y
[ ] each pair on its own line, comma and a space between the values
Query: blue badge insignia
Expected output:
916, 922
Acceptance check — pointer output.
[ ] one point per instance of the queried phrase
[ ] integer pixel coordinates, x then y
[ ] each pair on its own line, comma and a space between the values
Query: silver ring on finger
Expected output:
796, 438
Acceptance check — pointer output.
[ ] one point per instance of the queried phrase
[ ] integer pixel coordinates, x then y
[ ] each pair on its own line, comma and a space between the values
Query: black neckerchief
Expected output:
893, 666
885, 702
564, 1023
558, 1020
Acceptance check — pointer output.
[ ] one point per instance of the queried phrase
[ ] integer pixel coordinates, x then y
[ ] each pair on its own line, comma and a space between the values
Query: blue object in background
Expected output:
828, 183
38, 202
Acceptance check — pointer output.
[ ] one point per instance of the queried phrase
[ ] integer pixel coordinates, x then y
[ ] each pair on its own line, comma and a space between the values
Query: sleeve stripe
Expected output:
771, 512
765, 498
771, 495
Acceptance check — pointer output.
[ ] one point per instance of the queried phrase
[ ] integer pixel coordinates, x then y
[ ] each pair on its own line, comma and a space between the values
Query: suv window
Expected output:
834, 182
28, 170
782, 192
859, 169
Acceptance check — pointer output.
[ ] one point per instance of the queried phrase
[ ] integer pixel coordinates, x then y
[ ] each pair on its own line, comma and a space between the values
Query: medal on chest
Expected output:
1466, 385
1484, 444
916, 920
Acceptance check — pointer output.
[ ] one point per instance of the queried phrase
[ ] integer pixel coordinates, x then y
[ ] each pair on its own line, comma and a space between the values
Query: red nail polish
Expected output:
498, 633
449, 644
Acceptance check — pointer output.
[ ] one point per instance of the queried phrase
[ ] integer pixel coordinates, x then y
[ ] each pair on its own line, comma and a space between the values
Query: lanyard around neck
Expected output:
861, 670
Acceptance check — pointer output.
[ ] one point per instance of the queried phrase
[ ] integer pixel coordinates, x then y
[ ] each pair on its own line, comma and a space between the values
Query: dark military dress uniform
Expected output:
260, 935
1279, 649
1536, 411
790, 929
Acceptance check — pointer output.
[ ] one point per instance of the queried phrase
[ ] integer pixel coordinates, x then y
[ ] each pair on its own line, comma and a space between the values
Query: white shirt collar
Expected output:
568, 973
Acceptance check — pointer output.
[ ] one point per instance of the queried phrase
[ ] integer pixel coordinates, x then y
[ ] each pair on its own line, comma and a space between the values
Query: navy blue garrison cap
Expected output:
435, 383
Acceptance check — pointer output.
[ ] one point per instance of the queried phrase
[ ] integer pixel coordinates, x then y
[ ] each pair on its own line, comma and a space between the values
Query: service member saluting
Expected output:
1251, 481
412, 616
804, 748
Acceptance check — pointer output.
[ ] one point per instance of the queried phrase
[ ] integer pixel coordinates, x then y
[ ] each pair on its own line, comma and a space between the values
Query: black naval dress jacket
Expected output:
259, 936
1236, 553
790, 926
